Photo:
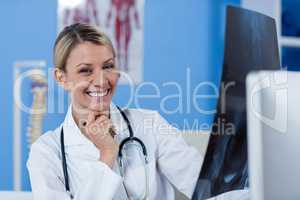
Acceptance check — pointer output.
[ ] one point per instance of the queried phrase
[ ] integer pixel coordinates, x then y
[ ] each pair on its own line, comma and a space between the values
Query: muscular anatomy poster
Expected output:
122, 20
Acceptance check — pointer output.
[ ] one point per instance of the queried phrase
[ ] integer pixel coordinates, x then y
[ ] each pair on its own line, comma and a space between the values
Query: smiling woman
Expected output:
96, 133
85, 66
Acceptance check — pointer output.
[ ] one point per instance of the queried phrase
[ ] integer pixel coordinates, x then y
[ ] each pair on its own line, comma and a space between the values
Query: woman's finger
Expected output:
91, 118
102, 118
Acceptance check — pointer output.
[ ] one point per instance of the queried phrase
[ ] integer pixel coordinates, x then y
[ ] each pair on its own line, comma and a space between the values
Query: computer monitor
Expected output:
250, 44
274, 135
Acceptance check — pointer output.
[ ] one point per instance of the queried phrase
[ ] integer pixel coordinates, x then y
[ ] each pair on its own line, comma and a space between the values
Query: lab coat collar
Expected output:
73, 135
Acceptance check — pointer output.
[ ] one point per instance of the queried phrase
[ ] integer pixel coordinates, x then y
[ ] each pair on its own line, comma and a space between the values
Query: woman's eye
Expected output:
85, 70
108, 66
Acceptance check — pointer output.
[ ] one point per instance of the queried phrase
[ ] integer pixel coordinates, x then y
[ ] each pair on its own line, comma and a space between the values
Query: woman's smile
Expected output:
98, 93
98, 96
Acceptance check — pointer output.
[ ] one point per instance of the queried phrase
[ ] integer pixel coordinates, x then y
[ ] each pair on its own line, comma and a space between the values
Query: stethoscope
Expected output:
130, 139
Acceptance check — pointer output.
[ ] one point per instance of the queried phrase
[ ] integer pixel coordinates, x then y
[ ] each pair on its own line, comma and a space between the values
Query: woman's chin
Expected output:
99, 107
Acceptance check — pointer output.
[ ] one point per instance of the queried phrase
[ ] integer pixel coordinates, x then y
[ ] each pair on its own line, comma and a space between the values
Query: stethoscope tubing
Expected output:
130, 138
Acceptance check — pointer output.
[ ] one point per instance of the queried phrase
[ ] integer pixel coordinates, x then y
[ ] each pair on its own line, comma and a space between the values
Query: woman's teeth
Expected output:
98, 94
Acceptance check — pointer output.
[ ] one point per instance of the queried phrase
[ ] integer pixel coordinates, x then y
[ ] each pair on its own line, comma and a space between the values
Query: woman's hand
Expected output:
100, 131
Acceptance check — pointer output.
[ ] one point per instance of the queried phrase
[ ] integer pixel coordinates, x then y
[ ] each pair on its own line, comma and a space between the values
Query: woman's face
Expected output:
90, 76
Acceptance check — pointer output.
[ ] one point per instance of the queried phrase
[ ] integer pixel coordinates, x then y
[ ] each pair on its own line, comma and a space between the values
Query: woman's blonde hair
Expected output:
73, 35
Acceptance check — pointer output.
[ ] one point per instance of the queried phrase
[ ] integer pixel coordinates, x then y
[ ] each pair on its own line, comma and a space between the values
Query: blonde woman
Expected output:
101, 151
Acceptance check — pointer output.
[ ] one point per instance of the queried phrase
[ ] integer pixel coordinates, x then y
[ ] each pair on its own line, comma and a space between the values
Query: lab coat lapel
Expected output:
72, 133
118, 121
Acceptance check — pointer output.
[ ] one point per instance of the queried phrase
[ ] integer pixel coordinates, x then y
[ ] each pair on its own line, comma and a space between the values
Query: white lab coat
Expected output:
233, 195
172, 163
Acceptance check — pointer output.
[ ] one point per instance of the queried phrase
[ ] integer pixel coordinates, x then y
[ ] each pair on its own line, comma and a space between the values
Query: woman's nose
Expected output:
99, 78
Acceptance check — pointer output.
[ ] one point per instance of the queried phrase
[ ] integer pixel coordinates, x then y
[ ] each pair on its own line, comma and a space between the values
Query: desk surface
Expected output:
11, 195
